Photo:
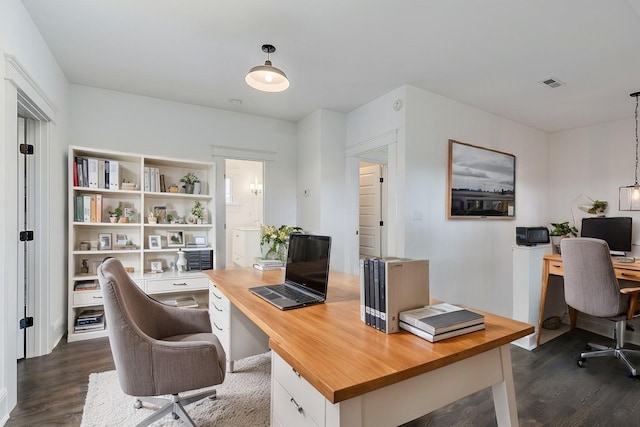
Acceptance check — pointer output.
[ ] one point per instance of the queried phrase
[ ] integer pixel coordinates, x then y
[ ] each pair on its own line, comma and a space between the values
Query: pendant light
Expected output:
630, 195
267, 78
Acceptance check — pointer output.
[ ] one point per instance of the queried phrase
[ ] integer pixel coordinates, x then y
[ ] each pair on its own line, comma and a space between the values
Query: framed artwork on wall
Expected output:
481, 184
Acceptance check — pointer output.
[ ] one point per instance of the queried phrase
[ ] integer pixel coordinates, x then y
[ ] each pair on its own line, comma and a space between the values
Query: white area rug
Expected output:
243, 400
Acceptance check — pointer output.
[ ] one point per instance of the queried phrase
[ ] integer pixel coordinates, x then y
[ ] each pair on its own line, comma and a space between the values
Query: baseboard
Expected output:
4, 406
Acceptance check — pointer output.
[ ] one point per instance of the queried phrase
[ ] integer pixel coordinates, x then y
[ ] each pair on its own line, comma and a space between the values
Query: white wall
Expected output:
20, 38
592, 161
470, 260
321, 173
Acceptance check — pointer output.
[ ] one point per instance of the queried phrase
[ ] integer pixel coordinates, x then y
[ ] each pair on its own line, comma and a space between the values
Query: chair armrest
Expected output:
633, 293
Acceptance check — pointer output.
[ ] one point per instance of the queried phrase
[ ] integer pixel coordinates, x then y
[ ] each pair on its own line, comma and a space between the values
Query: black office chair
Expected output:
591, 287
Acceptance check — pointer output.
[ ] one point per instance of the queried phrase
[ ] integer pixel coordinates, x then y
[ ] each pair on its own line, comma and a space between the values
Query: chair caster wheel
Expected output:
582, 362
137, 404
588, 347
174, 416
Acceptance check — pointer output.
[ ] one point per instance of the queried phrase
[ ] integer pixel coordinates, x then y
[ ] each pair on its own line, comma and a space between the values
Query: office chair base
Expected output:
603, 351
173, 406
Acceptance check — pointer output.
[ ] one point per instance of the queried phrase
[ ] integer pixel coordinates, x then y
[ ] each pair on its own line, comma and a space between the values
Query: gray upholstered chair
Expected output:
158, 349
591, 287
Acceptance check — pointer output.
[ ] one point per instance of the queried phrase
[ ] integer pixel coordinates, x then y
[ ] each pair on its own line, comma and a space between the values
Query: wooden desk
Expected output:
366, 377
552, 265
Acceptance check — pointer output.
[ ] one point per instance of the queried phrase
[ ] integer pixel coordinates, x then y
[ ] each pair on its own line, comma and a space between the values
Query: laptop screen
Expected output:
308, 262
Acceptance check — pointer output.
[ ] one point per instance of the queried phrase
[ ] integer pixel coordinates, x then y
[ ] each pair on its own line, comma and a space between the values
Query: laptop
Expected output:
306, 274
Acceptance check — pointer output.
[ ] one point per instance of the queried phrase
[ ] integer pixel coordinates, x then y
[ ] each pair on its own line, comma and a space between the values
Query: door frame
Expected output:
393, 143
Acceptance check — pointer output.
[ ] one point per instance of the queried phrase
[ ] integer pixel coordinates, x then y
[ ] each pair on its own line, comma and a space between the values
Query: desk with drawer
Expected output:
552, 265
330, 369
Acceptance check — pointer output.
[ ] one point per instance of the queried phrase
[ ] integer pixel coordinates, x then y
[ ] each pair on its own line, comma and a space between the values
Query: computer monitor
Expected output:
616, 231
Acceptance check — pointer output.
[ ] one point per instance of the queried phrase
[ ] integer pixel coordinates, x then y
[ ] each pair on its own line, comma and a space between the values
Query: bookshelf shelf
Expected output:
90, 228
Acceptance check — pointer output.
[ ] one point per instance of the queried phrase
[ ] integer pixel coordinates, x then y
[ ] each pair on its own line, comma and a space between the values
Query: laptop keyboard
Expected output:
287, 292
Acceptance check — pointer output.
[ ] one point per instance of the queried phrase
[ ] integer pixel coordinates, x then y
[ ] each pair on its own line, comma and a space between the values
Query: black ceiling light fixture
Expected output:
630, 195
267, 78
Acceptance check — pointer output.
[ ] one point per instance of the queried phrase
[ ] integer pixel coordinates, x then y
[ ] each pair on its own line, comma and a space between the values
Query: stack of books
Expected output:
268, 264
440, 321
89, 320
182, 301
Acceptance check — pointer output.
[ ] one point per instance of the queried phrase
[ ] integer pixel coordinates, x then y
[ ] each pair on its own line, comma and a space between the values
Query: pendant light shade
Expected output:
629, 196
267, 78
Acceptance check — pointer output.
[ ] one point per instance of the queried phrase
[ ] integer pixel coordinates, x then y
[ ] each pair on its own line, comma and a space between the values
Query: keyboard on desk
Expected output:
291, 293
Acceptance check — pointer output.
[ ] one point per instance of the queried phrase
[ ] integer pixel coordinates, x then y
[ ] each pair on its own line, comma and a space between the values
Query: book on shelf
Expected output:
88, 327
444, 335
87, 285
439, 318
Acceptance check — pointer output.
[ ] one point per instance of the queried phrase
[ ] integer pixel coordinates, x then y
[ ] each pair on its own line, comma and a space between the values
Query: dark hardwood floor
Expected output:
551, 390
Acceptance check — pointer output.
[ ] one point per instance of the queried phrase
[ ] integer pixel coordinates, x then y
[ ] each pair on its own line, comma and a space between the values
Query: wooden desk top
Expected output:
336, 352
635, 266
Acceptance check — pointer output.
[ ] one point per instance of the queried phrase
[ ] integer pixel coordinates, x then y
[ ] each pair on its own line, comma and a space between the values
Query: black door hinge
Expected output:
26, 149
381, 223
26, 236
27, 322
381, 180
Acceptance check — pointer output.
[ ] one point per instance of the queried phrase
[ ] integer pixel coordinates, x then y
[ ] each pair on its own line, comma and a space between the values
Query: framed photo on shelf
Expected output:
481, 184
94, 266
156, 266
121, 239
104, 241
155, 242
175, 239
161, 214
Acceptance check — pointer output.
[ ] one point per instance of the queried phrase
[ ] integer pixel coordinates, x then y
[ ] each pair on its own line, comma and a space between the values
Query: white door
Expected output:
371, 224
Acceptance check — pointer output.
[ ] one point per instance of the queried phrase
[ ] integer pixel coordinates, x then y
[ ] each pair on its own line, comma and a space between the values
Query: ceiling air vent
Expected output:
552, 83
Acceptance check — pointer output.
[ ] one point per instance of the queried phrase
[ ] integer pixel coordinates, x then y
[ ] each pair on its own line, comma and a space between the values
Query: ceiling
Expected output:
339, 55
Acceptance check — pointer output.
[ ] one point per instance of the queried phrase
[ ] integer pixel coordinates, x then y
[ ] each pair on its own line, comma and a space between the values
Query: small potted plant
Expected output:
152, 218
115, 214
170, 218
189, 180
598, 207
560, 231
198, 211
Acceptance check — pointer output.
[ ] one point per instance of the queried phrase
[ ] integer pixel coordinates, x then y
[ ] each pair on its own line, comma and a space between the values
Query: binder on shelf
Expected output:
101, 164
439, 318
438, 337
79, 211
107, 174
147, 182
93, 207
98, 207
402, 284
114, 173
86, 202
93, 173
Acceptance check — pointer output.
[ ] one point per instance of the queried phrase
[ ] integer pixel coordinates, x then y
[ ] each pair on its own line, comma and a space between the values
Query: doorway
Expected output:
244, 209
372, 210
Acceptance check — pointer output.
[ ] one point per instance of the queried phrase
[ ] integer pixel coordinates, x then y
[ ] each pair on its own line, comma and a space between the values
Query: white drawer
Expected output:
218, 315
287, 411
81, 298
217, 296
303, 393
177, 284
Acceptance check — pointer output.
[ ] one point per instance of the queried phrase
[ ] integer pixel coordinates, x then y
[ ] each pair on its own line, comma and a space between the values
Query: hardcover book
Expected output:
438, 337
439, 318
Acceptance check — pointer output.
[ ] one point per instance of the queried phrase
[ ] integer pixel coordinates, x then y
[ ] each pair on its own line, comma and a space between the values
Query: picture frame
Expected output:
104, 241
121, 239
155, 242
200, 240
481, 183
175, 239
94, 266
156, 266
161, 214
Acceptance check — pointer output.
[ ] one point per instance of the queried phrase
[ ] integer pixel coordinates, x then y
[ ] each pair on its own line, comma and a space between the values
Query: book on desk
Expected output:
439, 321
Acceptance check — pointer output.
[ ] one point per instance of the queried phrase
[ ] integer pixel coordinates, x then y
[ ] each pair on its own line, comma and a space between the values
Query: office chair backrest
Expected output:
590, 284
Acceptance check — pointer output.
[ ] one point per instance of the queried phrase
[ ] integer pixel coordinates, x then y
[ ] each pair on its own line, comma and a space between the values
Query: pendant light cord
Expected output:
637, 138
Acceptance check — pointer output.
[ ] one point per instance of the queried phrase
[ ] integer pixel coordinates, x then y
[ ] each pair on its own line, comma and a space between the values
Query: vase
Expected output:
197, 186
188, 188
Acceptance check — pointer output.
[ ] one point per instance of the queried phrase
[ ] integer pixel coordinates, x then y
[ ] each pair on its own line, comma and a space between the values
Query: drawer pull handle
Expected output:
557, 266
216, 295
180, 284
296, 372
217, 327
97, 297
215, 306
298, 407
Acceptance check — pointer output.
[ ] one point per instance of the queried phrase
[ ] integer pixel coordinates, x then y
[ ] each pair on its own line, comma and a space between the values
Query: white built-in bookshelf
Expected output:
143, 184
